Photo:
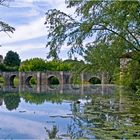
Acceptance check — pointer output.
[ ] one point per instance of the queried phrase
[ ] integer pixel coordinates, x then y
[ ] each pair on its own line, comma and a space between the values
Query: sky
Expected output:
28, 18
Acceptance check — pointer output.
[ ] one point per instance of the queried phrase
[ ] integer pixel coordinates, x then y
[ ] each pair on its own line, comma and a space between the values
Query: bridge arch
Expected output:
53, 80
57, 74
30, 80
13, 80
44, 78
94, 80
75, 79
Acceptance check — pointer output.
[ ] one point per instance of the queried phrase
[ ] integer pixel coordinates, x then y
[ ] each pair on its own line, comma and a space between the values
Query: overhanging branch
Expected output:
108, 29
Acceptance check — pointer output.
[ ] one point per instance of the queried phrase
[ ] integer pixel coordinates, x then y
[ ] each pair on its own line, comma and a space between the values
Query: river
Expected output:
69, 112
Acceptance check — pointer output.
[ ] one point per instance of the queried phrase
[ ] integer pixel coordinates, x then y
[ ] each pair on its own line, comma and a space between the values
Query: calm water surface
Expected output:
94, 112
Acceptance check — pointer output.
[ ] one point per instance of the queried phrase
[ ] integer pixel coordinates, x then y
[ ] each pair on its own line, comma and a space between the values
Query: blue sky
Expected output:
30, 37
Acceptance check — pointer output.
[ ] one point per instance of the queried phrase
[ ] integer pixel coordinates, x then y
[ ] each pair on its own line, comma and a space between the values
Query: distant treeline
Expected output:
38, 64
12, 62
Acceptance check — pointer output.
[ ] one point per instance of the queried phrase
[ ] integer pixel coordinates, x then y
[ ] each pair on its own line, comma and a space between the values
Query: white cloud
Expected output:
21, 3
34, 29
28, 50
60, 5
32, 12
22, 126
25, 32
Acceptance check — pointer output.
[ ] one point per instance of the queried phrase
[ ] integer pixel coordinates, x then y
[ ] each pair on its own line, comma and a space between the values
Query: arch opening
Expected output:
53, 82
94, 80
31, 81
75, 79
14, 81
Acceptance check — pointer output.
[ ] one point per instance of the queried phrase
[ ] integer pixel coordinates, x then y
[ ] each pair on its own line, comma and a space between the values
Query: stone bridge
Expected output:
43, 78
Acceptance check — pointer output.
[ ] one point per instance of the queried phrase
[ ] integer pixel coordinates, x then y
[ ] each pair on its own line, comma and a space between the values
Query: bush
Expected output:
35, 64
2, 67
38, 64
5, 68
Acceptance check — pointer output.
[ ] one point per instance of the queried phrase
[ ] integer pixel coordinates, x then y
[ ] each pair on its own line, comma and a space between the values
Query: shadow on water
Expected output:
78, 112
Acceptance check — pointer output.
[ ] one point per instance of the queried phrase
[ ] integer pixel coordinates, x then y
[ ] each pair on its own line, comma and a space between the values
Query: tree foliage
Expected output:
38, 64
110, 28
4, 27
131, 75
102, 58
3, 67
12, 59
111, 21
34, 64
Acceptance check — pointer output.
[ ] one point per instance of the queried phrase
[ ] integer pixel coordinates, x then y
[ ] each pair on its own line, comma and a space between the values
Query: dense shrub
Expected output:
5, 68
35, 64
38, 64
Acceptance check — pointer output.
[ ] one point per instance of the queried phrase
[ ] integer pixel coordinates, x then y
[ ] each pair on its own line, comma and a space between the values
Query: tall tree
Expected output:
12, 59
113, 22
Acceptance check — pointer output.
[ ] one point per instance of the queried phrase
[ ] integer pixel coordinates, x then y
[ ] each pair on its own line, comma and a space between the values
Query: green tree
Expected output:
58, 65
110, 28
38, 64
12, 59
34, 64
110, 21
102, 58
131, 75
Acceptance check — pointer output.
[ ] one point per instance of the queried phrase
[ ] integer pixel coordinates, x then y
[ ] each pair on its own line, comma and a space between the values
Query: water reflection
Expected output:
95, 112
52, 134
115, 116
67, 88
11, 101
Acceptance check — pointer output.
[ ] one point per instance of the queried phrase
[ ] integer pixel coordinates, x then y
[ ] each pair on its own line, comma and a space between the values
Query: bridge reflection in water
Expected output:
67, 88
